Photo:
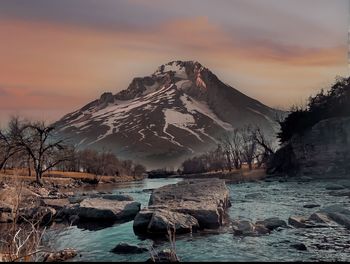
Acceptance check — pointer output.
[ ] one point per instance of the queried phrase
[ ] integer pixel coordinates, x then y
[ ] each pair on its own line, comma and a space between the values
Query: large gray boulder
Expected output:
160, 221
103, 209
204, 199
187, 205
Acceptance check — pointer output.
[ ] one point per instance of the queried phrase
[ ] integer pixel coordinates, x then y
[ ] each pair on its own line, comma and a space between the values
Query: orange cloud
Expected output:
80, 63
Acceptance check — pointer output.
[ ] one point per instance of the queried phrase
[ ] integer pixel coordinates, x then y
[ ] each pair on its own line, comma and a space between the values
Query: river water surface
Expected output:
253, 201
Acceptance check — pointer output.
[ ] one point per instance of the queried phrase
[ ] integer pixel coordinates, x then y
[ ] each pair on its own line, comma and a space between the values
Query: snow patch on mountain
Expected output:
193, 106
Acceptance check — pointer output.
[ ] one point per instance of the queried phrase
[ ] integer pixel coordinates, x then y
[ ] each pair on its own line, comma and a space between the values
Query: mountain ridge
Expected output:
180, 109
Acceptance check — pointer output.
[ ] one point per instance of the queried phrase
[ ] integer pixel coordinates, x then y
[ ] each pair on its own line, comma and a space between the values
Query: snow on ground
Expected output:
112, 115
142, 134
180, 120
151, 88
202, 130
179, 70
183, 84
274, 124
193, 106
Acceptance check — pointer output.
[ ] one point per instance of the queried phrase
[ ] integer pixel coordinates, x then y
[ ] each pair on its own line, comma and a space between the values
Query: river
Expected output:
253, 201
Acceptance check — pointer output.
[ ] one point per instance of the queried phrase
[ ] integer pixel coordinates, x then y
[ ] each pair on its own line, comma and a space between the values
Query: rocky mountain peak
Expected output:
180, 110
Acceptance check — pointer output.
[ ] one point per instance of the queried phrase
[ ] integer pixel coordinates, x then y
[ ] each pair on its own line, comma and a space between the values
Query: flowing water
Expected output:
251, 201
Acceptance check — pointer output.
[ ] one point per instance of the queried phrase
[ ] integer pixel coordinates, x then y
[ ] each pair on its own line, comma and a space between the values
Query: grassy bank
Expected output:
64, 177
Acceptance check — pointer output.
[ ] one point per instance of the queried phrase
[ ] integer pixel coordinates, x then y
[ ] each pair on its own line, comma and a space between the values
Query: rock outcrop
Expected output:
322, 151
185, 206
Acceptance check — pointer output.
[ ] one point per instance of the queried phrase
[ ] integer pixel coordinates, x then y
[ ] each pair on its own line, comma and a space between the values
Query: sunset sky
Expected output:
56, 56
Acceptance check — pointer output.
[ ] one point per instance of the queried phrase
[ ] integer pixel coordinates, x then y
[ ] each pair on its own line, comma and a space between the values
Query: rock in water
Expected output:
320, 218
185, 205
243, 228
124, 248
99, 208
163, 220
272, 223
297, 221
299, 246
338, 213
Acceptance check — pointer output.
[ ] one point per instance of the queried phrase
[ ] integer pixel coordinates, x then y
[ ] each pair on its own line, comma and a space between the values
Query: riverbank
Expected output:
286, 208
234, 176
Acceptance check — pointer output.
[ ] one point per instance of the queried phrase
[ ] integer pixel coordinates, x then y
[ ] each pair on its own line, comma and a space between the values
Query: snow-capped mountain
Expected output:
159, 120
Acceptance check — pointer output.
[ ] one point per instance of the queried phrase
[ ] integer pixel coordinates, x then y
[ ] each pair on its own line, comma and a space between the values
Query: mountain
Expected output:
161, 119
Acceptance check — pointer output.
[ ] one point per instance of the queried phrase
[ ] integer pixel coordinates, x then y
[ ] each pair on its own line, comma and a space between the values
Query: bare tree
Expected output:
8, 148
265, 148
248, 145
37, 139
139, 170
232, 144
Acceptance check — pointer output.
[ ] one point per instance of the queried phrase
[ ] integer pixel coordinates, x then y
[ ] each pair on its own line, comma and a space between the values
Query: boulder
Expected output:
261, 229
60, 256
299, 246
297, 221
142, 221
204, 199
338, 213
124, 248
247, 228
57, 204
272, 223
103, 209
320, 218
163, 220
243, 228
341, 219
160, 221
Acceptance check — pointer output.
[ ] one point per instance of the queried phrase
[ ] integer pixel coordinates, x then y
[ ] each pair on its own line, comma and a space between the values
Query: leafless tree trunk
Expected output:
248, 146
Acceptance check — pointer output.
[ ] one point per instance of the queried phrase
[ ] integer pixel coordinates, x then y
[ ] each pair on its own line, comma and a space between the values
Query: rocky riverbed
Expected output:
268, 221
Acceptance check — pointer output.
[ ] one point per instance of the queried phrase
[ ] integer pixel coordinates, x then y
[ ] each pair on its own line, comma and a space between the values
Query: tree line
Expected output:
35, 146
326, 104
247, 145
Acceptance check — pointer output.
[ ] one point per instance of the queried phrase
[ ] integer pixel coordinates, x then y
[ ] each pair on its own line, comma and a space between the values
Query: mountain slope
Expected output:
160, 120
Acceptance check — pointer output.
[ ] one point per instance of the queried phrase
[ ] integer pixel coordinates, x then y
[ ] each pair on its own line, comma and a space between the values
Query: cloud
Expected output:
4, 92
51, 62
